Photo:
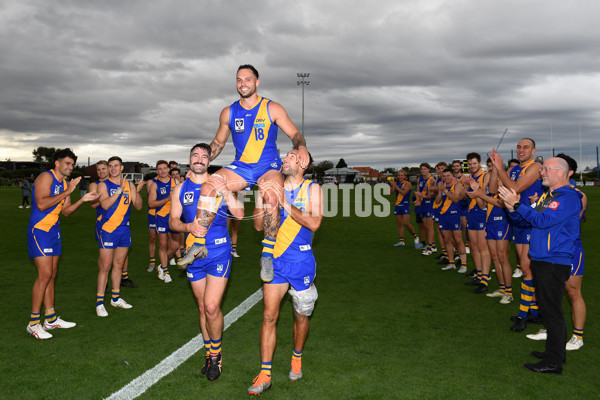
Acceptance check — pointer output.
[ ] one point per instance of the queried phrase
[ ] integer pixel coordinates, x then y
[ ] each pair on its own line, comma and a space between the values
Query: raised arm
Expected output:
44, 199
283, 121
223, 132
312, 217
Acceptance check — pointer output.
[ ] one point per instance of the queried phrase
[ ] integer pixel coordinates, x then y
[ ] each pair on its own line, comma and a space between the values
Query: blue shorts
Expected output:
418, 218
498, 231
450, 222
298, 274
578, 259
41, 243
252, 172
402, 209
151, 221
120, 237
427, 209
162, 224
521, 235
218, 266
476, 219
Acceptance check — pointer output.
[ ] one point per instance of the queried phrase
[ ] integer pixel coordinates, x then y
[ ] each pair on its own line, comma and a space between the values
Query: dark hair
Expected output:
116, 158
204, 146
175, 169
160, 162
447, 170
513, 160
441, 163
60, 154
531, 140
456, 162
173, 162
102, 162
572, 163
425, 165
471, 156
250, 67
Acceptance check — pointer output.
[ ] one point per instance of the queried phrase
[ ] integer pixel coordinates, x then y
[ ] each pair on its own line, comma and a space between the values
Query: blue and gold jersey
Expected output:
118, 214
479, 179
403, 199
253, 132
294, 242
495, 214
425, 186
518, 171
47, 219
163, 190
217, 238
447, 205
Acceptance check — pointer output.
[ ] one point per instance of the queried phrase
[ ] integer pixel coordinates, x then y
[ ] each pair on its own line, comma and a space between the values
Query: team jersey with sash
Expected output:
98, 227
217, 237
403, 199
294, 242
151, 215
447, 206
425, 187
253, 132
163, 190
518, 171
437, 206
473, 207
118, 214
47, 219
495, 214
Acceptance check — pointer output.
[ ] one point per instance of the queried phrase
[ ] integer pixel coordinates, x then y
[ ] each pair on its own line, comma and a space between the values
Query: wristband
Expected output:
516, 205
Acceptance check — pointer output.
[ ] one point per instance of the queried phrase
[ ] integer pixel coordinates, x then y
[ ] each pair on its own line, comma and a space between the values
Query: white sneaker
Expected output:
575, 343
448, 267
518, 273
151, 267
462, 270
506, 299
399, 244
468, 250
38, 332
235, 254
168, 278
161, 274
172, 262
101, 311
495, 293
28, 207
20, 206
426, 252
120, 303
540, 335
59, 323
417, 243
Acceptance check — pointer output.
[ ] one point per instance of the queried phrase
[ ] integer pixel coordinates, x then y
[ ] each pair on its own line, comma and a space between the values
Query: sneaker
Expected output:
214, 367
427, 252
101, 311
471, 274
192, 253
38, 332
440, 257
444, 261
462, 270
235, 254
448, 267
172, 262
421, 246
495, 293
120, 304
575, 343
205, 367
128, 283
151, 267
296, 370
540, 335
399, 244
481, 288
28, 207
161, 273
260, 384
473, 282
417, 243
518, 273
519, 325
22, 207
266, 269
59, 323
506, 299
168, 278
467, 249
434, 249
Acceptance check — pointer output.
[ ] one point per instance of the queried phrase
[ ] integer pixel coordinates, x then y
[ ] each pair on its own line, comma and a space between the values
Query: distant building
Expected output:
368, 174
17, 165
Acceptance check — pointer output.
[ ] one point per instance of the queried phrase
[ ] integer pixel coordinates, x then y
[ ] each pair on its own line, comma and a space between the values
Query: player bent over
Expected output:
208, 276
293, 264
50, 197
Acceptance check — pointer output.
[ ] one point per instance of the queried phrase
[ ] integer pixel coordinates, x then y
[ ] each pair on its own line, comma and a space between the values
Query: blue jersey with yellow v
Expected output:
253, 132
118, 214
47, 219
163, 190
294, 242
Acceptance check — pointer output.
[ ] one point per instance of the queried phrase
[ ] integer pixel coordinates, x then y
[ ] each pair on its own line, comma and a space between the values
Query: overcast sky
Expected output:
392, 83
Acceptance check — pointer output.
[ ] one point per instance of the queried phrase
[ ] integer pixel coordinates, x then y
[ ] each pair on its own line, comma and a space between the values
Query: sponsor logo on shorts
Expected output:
161, 229
107, 243
498, 218
190, 275
188, 198
305, 247
239, 125
306, 280
221, 241
48, 251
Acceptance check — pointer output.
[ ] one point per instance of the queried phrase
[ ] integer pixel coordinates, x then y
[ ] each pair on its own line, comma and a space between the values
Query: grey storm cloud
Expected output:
392, 83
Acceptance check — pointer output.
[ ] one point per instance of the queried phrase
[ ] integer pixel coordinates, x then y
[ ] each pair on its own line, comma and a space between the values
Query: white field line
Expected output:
142, 383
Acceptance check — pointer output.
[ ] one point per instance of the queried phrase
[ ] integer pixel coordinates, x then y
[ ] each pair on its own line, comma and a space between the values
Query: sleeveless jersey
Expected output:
447, 205
294, 241
479, 180
403, 199
118, 214
518, 171
163, 190
425, 186
217, 237
253, 132
436, 205
495, 214
47, 219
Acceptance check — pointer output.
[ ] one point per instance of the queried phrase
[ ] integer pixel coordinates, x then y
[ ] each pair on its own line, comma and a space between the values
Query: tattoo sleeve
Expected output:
215, 150
298, 140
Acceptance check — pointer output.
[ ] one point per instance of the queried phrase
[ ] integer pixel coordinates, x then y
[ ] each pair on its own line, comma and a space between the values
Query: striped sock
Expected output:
207, 346
178, 258
50, 316
534, 310
215, 347
444, 253
297, 355
124, 275
152, 260
526, 297
234, 247
578, 333
508, 290
485, 279
268, 245
463, 264
99, 299
502, 288
116, 295
415, 236
34, 318
401, 240
266, 367
165, 269
479, 275
200, 240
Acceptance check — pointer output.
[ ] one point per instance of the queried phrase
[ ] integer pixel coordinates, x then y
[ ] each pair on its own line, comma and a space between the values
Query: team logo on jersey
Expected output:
274, 165
163, 191
113, 191
188, 198
554, 205
239, 125
57, 190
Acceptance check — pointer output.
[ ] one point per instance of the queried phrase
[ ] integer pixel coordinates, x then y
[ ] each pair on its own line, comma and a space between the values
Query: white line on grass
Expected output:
142, 383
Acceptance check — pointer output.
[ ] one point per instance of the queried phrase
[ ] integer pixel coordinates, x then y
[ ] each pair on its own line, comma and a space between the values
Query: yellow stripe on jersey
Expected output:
290, 228
116, 218
258, 138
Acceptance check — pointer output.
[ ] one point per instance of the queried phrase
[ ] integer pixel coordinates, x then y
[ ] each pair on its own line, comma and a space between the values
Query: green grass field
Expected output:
389, 324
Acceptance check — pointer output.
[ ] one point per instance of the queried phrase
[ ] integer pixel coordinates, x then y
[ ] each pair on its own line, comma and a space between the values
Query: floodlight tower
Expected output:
303, 82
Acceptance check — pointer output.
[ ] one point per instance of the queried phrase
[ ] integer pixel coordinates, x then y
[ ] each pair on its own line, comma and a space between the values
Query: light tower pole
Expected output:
303, 82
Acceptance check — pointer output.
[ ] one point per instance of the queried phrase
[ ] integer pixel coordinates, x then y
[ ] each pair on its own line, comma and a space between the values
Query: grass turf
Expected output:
388, 324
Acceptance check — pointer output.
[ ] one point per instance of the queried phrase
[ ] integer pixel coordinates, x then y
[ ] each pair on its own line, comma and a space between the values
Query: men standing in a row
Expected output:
116, 197
51, 196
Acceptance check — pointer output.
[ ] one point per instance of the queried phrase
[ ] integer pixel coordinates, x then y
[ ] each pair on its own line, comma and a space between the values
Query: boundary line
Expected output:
143, 382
